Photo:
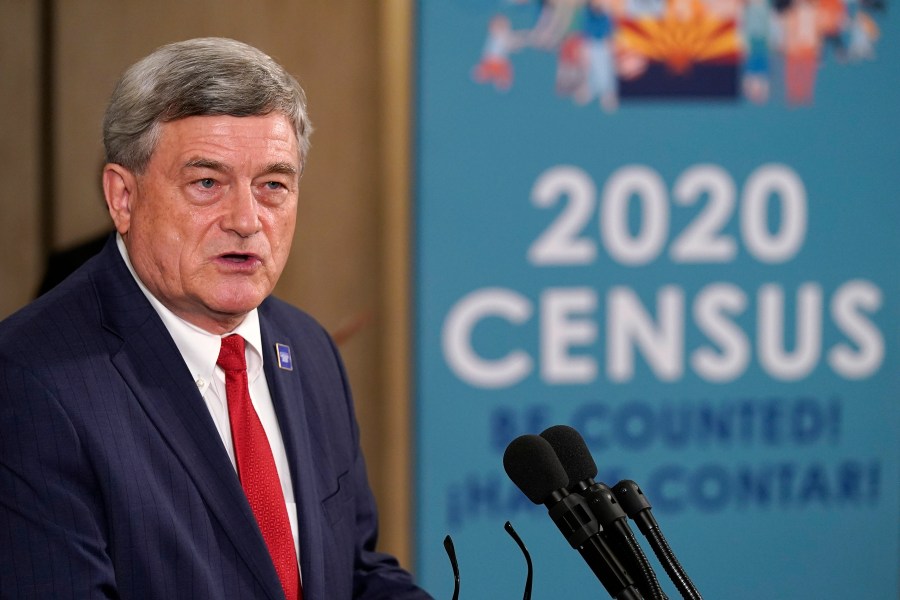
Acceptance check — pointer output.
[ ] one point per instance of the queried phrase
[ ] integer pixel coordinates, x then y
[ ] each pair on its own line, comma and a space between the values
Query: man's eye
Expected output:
206, 183
274, 185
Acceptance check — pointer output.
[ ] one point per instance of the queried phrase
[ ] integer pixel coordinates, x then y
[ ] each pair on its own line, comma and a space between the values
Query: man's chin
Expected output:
236, 299
231, 309
236, 309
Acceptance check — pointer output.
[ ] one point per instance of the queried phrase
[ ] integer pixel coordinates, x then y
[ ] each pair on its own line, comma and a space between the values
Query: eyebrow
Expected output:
282, 168
207, 163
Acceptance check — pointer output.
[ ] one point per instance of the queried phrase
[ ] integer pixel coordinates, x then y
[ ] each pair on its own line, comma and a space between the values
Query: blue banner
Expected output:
671, 225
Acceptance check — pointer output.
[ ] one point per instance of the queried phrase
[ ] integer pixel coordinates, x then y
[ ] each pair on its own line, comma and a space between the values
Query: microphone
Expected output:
581, 469
531, 463
451, 554
633, 502
515, 536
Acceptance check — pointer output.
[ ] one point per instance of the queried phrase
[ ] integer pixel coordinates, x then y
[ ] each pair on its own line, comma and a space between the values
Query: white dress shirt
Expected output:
200, 350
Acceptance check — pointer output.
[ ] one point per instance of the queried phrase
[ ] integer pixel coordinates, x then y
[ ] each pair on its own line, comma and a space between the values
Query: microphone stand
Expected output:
614, 521
633, 502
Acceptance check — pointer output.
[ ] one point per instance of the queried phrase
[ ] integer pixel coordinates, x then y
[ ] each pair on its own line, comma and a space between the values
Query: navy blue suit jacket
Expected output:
114, 482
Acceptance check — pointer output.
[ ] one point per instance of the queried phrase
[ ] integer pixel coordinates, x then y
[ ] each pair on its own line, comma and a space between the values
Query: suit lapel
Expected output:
151, 365
286, 388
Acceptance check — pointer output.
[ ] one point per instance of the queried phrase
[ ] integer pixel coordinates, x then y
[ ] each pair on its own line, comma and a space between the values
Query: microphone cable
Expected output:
515, 536
451, 553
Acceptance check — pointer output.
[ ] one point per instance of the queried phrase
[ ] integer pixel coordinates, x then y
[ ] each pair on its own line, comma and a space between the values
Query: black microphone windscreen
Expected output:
572, 452
533, 466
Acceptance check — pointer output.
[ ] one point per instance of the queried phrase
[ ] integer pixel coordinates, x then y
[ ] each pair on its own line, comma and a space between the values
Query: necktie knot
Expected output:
231, 354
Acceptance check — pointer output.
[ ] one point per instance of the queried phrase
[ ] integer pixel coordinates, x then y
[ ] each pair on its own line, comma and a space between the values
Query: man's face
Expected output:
209, 223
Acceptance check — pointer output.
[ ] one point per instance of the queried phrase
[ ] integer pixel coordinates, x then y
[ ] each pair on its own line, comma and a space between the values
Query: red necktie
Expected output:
256, 467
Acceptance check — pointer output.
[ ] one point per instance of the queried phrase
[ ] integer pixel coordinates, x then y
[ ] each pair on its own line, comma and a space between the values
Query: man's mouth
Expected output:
239, 260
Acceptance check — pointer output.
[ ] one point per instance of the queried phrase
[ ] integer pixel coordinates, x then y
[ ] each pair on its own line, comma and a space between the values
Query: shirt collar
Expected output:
198, 347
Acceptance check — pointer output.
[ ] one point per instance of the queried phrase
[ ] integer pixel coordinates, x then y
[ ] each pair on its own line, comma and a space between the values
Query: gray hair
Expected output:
204, 76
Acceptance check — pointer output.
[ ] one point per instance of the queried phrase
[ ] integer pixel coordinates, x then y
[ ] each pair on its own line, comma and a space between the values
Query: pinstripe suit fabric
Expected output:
115, 484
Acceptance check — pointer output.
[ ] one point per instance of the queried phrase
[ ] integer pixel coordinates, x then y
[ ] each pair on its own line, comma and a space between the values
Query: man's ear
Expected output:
119, 189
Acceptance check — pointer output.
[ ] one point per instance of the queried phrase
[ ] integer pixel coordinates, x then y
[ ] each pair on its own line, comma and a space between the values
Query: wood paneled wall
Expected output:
348, 265
20, 157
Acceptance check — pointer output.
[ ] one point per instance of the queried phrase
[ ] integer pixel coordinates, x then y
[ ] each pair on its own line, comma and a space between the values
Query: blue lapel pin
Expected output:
284, 357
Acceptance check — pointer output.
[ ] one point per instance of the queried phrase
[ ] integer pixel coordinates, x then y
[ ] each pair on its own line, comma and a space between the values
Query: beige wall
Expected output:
343, 268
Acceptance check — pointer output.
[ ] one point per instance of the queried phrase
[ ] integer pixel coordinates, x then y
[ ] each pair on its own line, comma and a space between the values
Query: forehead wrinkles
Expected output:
230, 142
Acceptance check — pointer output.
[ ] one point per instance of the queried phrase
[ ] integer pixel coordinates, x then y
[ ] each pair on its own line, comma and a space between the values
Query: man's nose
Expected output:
241, 212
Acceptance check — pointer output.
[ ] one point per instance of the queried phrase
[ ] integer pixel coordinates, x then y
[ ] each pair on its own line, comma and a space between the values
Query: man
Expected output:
167, 429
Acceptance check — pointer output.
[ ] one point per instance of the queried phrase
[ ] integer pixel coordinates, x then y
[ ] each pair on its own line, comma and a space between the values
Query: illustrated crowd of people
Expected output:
596, 47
